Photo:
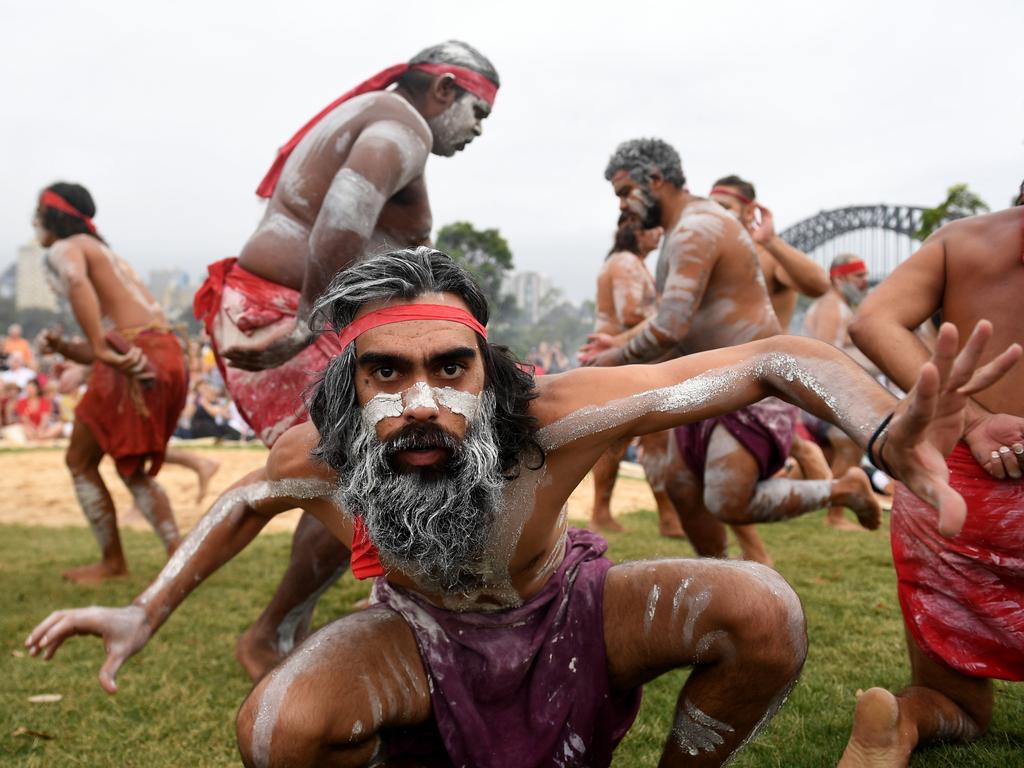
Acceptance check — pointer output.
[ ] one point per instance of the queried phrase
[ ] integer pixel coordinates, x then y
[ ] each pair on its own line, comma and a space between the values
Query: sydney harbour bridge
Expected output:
880, 234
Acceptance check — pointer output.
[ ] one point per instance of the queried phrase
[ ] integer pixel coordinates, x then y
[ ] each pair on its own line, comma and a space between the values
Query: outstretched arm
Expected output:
224, 531
599, 407
799, 271
386, 157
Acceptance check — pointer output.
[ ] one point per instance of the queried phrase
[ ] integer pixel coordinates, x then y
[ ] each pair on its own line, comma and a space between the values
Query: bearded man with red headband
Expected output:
137, 387
961, 598
712, 294
347, 184
828, 319
501, 637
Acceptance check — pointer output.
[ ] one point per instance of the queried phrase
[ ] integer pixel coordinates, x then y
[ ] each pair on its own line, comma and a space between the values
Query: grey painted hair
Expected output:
641, 157
453, 52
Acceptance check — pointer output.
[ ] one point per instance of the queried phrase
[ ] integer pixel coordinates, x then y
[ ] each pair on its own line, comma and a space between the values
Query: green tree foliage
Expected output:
485, 253
960, 202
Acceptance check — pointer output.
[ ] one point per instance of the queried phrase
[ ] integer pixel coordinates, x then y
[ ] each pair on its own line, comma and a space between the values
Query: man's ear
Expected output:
443, 90
655, 180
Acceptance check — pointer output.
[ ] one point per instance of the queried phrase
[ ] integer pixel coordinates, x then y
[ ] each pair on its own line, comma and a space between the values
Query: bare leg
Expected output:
751, 544
153, 504
940, 705
318, 560
733, 495
205, 468
605, 472
845, 456
654, 459
328, 702
684, 488
83, 461
811, 459
738, 625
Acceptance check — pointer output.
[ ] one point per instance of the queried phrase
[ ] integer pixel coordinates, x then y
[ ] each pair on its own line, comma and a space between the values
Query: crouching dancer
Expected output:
500, 636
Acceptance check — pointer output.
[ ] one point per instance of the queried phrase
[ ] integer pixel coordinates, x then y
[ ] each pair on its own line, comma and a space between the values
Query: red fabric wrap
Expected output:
465, 78
849, 268
130, 437
405, 312
365, 558
50, 199
961, 597
729, 192
241, 309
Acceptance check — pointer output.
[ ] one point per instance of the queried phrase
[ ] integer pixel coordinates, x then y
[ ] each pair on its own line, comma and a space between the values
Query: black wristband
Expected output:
877, 460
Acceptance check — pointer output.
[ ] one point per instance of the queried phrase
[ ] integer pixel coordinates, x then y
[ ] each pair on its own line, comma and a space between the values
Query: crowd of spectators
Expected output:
548, 357
38, 395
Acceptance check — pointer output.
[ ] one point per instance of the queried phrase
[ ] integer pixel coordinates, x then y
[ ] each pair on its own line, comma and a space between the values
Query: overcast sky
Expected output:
170, 113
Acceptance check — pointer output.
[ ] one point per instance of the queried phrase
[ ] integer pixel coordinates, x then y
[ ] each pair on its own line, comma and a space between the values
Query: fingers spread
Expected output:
923, 400
990, 373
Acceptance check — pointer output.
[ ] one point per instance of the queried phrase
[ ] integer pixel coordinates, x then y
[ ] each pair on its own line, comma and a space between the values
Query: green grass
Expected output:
178, 698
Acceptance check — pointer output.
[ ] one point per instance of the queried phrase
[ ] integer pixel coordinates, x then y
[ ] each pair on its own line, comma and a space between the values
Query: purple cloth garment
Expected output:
765, 429
526, 687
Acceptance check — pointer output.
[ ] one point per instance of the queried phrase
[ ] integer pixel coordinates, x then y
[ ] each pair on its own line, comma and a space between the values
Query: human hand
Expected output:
996, 441
49, 340
930, 420
274, 354
763, 231
596, 344
133, 363
124, 631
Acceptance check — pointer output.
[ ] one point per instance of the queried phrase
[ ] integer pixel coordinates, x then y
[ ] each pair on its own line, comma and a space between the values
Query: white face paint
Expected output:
457, 126
420, 395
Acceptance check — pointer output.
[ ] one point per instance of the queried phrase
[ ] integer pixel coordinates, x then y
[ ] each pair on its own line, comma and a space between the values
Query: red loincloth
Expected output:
764, 429
239, 308
129, 434
963, 598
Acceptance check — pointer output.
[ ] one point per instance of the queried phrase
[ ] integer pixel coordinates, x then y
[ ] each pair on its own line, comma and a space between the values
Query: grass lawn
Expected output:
177, 699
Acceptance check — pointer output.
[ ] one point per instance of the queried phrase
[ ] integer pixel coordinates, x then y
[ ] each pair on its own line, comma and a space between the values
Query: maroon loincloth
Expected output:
132, 423
764, 429
526, 687
963, 598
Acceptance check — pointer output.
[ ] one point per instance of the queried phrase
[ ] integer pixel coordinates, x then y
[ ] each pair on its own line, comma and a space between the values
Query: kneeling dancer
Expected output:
500, 636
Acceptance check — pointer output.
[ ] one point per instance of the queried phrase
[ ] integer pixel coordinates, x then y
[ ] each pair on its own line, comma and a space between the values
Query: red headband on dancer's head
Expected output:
849, 268
404, 312
465, 78
50, 199
730, 192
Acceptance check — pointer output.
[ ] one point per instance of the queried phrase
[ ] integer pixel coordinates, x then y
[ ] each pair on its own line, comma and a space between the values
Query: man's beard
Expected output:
432, 524
645, 206
853, 295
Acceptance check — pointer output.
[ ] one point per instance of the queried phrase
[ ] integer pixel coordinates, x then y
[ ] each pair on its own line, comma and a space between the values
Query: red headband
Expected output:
732, 193
51, 199
405, 312
849, 268
466, 79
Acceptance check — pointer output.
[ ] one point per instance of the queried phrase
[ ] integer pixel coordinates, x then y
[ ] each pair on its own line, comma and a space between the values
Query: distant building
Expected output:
30, 288
173, 290
528, 289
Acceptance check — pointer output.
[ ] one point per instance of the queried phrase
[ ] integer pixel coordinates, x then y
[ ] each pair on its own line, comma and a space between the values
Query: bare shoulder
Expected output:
983, 239
291, 458
386, 106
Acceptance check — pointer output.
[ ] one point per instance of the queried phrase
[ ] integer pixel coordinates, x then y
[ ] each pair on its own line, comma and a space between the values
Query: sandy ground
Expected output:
36, 489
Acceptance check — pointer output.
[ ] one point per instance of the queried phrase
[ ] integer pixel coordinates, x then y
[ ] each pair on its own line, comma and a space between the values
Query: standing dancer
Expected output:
346, 185
137, 386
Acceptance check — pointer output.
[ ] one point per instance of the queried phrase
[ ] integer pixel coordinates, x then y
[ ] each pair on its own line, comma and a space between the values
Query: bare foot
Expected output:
605, 524
854, 490
207, 469
669, 525
96, 573
877, 740
256, 655
836, 518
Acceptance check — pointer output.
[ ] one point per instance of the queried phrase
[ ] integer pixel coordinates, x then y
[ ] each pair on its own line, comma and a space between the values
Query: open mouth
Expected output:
422, 457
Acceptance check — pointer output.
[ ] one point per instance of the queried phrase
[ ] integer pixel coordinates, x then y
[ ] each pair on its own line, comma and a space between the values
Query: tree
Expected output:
484, 253
960, 202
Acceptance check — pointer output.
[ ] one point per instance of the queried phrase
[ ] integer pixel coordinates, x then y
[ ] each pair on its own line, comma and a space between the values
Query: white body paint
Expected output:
420, 395
696, 732
352, 204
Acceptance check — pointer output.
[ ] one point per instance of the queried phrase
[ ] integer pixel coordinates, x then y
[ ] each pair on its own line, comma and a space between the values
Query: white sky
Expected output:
170, 113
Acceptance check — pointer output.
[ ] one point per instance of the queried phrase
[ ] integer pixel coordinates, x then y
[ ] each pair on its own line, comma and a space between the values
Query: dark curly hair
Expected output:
642, 157
64, 224
625, 236
406, 274
744, 187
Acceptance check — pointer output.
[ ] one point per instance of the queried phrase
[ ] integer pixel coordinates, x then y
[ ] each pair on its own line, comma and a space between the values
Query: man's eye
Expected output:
451, 370
385, 374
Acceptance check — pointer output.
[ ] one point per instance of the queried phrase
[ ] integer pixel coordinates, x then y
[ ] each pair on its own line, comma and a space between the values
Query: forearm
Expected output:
807, 276
85, 305
647, 341
897, 351
77, 350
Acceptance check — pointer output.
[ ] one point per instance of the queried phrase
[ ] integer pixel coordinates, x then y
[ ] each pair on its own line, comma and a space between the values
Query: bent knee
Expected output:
773, 629
727, 507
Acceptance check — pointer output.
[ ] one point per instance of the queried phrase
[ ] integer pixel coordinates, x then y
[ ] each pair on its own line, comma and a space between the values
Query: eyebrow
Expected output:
395, 360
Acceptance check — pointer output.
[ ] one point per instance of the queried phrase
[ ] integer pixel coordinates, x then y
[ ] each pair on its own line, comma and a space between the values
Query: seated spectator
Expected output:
16, 344
35, 415
10, 393
17, 372
211, 415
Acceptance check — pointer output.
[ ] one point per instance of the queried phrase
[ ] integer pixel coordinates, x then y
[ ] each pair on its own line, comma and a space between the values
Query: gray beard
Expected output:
432, 525
853, 295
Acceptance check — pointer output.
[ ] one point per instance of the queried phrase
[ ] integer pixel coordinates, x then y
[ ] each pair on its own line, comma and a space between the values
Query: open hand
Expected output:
124, 631
930, 420
276, 353
763, 231
596, 344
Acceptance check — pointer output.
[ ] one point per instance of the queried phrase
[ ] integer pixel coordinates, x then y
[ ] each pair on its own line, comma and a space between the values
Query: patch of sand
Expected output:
37, 490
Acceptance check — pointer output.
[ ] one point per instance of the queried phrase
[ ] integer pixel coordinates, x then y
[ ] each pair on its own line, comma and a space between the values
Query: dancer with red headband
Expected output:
137, 387
961, 598
828, 319
347, 184
712, 294
500, 636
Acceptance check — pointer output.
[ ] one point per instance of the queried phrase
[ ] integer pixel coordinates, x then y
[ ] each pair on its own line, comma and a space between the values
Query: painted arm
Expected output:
799, 271
386, 157
224, 531
885, 331
628, 293
691, 257
604, 406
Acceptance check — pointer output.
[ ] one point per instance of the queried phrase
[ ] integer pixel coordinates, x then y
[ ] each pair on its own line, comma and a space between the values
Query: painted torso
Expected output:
625, 293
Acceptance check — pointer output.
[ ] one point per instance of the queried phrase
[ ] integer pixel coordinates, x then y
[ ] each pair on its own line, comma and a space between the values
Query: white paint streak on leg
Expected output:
696, 732
652, 607
93, 501
696, 606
